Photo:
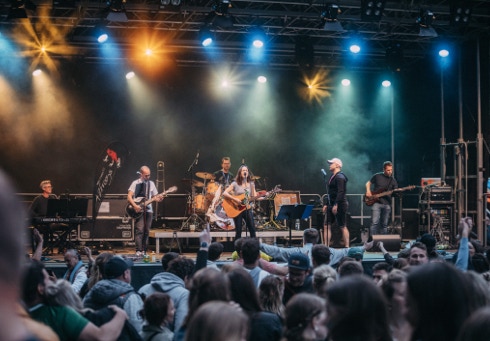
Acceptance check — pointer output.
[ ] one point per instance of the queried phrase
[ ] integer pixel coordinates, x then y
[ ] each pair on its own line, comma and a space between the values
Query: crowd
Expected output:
320, 293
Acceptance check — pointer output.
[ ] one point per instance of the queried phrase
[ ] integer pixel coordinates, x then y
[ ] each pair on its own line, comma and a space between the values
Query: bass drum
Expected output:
200, 203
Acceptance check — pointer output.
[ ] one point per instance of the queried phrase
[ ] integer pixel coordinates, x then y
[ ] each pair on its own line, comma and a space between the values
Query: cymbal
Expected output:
255, 177
204, 175
194, 183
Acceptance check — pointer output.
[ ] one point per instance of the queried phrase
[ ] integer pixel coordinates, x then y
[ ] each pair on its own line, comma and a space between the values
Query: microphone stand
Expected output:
193, 219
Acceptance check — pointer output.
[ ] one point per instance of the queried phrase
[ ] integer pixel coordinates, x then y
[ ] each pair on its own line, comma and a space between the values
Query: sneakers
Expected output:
139, 254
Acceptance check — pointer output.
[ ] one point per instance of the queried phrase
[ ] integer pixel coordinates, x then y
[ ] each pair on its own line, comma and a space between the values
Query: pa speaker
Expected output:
391, 242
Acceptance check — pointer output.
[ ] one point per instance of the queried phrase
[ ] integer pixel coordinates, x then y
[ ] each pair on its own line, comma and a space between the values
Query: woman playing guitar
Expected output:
238, 193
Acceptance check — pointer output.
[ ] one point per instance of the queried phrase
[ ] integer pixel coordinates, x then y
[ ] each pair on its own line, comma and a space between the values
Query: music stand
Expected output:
293, 212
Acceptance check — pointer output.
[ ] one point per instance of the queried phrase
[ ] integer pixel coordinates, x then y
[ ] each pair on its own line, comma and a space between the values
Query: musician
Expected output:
141, 190
224, 177
381, 209
39, 205
242, 184
336, 206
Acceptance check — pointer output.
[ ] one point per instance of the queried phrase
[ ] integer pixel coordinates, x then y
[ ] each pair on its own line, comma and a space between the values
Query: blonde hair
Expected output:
44, 183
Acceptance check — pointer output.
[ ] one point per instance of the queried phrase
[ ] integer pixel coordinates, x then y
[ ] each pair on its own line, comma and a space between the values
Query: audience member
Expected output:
299, 278
357, 310
401, 264
116, 289
218, 321
158, 311
214, 253
430, 242
207, 284
14, 326
167, 258
476, 327
173, 282
305, 318
394, 287
323, 277
418, 254
96, 271
264, 325
251, 257
40, 331
380, 271
64, 320
320, 254
77, 271
439, 299
350, 268
271, 290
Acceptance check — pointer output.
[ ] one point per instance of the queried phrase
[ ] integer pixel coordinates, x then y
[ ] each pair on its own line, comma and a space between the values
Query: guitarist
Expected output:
146, 189
242, 184
381, 209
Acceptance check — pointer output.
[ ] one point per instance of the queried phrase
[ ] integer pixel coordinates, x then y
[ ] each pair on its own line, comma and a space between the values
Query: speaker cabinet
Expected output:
107, 229
391, 242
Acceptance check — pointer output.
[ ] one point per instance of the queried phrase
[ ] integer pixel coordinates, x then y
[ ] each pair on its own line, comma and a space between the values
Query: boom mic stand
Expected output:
193, 219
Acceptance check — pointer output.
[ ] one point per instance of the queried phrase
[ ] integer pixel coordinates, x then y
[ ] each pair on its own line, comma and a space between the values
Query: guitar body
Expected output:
141, 203
232, 208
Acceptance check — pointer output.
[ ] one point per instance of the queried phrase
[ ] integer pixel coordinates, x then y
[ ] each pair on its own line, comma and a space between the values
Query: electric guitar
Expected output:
141, 203
374, 198
233, 208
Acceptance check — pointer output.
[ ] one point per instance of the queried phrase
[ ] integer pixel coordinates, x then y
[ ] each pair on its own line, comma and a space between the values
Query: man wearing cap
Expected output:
115, 289
336, 205
299, 278
381, 209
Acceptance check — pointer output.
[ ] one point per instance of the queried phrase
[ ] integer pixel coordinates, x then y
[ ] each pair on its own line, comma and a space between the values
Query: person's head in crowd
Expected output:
418, 254
394, 287
380, 271
214, 251
480, 287
430, 242
182, 267
238, 247
305, 318
243, 290
271, 290
227, 267
480, 263
357, 310
35, 283
323, 277
250, 251
401, 264
310, 236
61, 293
218, 321
404, 253
167, 258
439, 299
97, 271
118, 268
320, 254
343, 260
476, 327
356, 253
298, 269
350, 268
206, 285
71, 257
158, 309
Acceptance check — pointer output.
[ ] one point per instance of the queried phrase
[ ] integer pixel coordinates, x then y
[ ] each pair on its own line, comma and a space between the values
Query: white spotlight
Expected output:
386, 83
354, 48
37, 72
261, 79
130, 75
443, 53
345, 82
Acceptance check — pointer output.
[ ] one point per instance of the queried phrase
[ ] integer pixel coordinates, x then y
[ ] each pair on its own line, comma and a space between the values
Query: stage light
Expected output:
386, 83
329, 16
372, 10
37, 72
102, 38
355, 48
262, 79
221, 6
257, 37
205, 36
130, 75
443, 53
116, 11
460, 13
425, 19
345, 82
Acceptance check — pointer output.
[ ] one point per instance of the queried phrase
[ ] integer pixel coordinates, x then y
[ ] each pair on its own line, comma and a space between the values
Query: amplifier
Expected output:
437, 194
107, 229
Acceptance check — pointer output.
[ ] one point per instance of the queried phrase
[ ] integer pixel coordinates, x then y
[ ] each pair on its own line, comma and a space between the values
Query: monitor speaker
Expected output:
391, 242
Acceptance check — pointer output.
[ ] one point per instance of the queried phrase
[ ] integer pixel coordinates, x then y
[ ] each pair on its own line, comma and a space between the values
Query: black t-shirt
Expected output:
383, 183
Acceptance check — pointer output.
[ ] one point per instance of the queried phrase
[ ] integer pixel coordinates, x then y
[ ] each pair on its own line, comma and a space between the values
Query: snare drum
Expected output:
200, 203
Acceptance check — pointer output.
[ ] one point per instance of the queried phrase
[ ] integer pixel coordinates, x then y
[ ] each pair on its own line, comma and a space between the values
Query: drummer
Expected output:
224, 177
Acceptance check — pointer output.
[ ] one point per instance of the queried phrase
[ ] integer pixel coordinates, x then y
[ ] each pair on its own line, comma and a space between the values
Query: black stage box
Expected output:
391, 242
410, 226
107, 229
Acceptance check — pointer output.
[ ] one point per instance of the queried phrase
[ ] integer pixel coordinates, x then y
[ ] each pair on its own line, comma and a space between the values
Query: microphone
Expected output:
243, 160
197, 157
323, 172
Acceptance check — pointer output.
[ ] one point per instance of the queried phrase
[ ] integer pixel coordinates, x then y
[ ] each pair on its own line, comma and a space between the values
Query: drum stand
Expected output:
194, 221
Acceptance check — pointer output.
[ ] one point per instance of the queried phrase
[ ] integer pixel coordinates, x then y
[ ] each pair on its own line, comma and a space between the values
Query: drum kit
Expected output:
205, 199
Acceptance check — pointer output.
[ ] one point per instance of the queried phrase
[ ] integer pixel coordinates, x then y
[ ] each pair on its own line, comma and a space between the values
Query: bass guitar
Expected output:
374, 198
233, 208
130, 211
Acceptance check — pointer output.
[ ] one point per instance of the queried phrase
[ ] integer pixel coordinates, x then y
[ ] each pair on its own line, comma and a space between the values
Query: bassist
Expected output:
142, 188
381, 209
242, 184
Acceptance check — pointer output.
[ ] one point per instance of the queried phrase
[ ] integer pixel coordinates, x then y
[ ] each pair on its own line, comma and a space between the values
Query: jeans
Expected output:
142, 230
380, 217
